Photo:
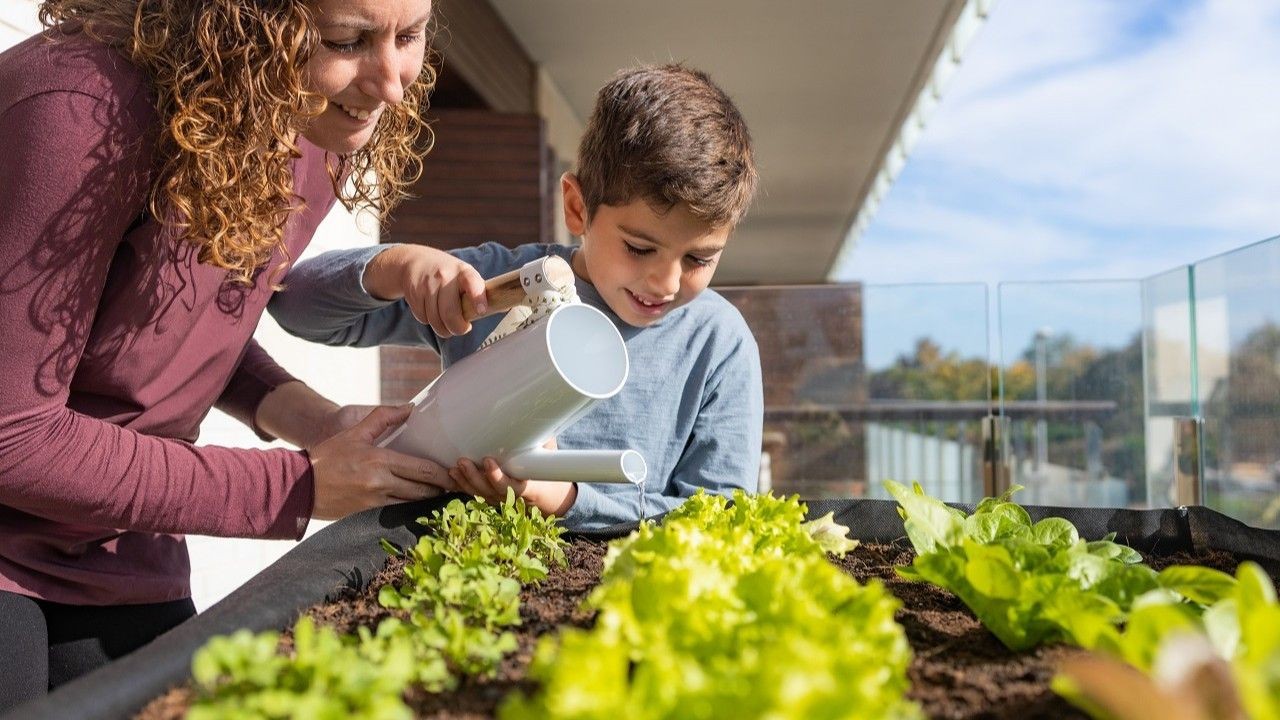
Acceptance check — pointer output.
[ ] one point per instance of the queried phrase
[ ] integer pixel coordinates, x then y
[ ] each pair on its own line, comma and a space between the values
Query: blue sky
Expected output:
1089, 140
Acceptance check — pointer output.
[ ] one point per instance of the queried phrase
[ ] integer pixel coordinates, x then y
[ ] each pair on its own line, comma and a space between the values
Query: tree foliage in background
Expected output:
1075, 372
931, 374
1248, 398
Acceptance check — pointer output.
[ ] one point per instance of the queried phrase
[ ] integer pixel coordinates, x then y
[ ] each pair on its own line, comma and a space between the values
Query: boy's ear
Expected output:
575, 208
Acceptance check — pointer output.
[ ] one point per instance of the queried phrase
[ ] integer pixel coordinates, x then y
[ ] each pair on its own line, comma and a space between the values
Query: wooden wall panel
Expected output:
486, 179
480, 48
405, 371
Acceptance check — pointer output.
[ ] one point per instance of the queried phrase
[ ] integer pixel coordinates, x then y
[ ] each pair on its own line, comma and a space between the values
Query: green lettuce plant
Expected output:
328, 677
1034, 583
461, 587
727, 611
1240, 618
1029, 583
460, 591
1245, 627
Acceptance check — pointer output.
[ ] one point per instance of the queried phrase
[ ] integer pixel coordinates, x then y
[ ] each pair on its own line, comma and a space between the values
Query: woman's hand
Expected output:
341, 418
432, 283
351, 474
297, 414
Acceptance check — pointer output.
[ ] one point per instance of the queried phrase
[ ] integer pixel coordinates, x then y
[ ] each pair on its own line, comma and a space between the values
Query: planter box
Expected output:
347, 555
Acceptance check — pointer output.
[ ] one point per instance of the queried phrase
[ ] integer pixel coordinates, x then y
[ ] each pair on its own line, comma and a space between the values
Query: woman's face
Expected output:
370, 51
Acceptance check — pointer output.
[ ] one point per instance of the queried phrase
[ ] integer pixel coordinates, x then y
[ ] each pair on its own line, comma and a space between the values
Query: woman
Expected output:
165, 162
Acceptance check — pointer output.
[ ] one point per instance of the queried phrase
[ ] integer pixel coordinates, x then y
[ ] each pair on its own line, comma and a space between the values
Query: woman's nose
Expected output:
381, 75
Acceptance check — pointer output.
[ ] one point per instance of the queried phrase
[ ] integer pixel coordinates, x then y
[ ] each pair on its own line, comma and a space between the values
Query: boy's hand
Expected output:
432, 283
490, 482
486, 480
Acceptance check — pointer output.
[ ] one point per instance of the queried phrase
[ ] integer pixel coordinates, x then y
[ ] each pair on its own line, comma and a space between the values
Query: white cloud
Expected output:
1091, 139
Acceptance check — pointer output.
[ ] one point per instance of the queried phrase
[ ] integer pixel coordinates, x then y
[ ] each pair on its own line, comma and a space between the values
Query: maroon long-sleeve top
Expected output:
114, 344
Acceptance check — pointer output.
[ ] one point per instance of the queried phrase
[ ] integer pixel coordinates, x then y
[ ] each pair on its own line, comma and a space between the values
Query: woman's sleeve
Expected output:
256, 375
73, 178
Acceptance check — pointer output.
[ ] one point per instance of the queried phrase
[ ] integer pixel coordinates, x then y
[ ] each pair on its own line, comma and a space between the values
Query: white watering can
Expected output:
508, 399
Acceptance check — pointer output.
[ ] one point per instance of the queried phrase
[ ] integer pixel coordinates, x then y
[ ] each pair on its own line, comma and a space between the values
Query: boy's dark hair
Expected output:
669, 135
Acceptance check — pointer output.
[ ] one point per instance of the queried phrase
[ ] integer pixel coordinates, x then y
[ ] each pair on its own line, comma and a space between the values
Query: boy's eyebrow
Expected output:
707, 250
639, 234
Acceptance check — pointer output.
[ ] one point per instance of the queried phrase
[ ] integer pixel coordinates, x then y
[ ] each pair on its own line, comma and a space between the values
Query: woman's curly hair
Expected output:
228, 76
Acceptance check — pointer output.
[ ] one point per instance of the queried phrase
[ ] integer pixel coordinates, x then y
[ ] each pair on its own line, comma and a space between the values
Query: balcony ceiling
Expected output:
824, 86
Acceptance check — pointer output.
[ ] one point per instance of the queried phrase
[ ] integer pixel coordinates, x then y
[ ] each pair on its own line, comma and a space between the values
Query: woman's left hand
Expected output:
340, 418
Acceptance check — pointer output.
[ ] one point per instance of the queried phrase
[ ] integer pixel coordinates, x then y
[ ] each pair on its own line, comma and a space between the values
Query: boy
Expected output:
665, 172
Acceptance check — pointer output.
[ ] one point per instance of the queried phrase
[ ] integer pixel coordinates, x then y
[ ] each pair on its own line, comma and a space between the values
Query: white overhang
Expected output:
835, 91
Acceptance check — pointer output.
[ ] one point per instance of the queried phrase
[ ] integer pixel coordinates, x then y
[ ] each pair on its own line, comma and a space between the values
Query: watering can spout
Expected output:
618, 466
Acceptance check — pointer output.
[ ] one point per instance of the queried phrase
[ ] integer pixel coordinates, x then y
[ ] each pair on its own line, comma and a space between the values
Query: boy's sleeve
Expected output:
324, 301
723, 452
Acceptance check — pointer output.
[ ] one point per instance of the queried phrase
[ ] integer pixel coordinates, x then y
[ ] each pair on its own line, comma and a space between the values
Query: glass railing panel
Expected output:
810, 340
1168, 351
928, 380
866, 383
1071, 384
1237, 335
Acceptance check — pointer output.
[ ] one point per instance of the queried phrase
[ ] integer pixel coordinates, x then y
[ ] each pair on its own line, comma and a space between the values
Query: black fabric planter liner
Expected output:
347, 554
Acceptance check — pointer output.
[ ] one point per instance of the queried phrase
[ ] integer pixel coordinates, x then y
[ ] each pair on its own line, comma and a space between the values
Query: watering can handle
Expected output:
505, 291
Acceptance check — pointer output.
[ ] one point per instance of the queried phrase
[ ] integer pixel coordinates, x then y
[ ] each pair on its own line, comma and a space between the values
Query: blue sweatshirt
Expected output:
692, 405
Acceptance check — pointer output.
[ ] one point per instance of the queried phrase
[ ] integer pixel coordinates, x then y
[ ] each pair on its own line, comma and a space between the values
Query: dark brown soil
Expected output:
169, 706
1216, 559
960, 670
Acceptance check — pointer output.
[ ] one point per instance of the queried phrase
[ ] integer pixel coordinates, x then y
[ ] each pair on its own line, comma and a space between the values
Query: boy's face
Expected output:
643, 263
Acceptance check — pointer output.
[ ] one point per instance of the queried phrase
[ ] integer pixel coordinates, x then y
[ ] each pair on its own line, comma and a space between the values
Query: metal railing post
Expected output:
1188, 460
995, 455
